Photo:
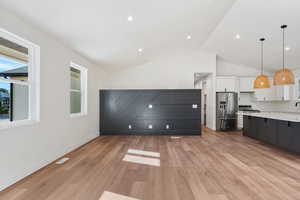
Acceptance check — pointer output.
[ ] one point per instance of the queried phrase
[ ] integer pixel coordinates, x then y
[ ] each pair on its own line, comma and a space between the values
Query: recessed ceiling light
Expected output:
287, 48
130, 18
238, 36
188, 37
140, 50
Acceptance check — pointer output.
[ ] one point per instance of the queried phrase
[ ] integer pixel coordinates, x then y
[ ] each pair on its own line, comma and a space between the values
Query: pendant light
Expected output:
284, 76
262, 81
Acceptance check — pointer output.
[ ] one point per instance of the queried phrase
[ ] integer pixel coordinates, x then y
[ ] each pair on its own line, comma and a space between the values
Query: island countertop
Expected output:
285, 116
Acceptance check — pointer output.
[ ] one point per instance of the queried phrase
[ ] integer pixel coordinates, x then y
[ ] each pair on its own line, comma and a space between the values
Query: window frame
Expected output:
297, 88
33, 81
83, 90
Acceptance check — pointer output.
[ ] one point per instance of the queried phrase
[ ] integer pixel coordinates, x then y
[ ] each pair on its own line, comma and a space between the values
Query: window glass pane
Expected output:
20, 102
75, 79
14, 103
13, 61
75, 102
4, 101
298, 88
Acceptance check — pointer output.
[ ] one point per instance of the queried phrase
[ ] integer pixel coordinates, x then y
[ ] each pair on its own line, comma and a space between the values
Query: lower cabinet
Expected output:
283, 134
267, 130
289, 136
250, 129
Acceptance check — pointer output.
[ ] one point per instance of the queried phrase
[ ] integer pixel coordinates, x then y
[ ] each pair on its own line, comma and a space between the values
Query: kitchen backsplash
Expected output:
275, 106
285, 106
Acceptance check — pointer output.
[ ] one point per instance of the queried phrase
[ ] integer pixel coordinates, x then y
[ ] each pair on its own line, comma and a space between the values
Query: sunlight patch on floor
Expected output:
62, 161
175, 137
143, 153
113, 196
142, 160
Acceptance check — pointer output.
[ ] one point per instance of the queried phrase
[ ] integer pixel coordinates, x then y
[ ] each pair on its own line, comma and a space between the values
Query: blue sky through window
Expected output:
5, 85
7, 64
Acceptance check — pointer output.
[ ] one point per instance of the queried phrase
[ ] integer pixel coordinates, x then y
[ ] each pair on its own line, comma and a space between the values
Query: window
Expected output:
19, 80
298, 88
78, 92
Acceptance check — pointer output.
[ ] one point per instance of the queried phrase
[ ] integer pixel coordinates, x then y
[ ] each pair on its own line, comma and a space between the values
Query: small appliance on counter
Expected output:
247, 108
227, 107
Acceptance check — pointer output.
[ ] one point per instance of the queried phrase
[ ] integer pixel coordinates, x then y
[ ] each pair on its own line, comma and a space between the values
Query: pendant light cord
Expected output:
262, 56
283, 45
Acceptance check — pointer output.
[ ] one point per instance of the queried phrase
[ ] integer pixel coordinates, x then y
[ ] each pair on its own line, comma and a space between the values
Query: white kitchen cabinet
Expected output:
268, 94
246, 84
226, 84
285, 93
264, 94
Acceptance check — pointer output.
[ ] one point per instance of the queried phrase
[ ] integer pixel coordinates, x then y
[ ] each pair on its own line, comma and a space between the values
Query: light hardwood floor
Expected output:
216, 166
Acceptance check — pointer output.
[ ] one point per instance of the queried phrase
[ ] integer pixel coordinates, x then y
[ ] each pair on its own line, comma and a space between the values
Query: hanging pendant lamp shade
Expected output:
284, 76
262, 81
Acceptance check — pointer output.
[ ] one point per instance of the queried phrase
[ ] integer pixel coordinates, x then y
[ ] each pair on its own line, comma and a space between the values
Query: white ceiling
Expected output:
99, 30
252, 19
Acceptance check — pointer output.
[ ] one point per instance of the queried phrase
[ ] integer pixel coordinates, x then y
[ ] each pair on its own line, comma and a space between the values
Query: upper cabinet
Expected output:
276, 93
265, 94
297, 89
226, 84
285, 93
246, 84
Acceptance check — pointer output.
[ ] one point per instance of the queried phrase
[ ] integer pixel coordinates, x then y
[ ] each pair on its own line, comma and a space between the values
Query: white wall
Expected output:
25, 149
226, 68
173, 72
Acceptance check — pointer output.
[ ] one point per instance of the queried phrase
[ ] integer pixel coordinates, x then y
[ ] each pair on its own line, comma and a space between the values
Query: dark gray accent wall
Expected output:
150, 112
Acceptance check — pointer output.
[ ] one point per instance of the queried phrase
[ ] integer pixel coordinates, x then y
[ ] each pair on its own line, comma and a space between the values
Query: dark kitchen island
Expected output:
280, 130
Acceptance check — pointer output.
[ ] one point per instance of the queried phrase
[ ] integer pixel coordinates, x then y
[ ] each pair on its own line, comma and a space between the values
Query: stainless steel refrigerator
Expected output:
227, 107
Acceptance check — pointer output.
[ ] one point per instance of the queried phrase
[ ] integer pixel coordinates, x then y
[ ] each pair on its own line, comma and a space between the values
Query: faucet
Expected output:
297, 103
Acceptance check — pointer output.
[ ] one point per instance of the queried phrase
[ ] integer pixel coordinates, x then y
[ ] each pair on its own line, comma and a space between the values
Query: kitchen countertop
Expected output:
293, 117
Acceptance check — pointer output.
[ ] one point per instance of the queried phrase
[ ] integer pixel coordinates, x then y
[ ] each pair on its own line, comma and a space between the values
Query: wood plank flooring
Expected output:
215, 166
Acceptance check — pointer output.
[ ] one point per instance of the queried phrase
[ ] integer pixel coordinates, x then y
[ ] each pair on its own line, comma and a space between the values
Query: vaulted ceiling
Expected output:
101, 31
253, 19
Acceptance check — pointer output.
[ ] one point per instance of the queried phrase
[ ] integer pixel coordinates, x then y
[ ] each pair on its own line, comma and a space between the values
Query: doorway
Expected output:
200, 82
